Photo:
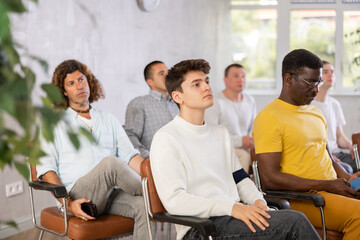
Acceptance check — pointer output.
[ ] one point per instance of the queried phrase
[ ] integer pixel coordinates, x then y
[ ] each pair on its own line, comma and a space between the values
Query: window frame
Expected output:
283, 39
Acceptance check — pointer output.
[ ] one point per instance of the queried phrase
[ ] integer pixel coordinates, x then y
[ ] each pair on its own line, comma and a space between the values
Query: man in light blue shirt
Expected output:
92, 171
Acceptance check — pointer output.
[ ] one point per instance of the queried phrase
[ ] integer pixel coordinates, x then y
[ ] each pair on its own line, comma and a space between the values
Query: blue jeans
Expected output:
284, 224
346, 158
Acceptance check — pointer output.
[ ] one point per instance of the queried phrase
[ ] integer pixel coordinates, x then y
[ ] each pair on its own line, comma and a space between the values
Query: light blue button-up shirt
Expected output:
71, 164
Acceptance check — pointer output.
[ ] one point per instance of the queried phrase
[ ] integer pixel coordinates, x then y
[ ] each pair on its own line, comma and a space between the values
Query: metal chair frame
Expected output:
42, 229
356, 155
167, 217
59, 191
317, 199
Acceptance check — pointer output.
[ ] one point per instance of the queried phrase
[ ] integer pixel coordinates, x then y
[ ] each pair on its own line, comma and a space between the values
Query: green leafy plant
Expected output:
21, 121
19, 117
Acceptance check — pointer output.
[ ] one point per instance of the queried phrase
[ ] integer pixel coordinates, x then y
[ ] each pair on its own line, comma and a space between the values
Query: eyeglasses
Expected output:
311, 85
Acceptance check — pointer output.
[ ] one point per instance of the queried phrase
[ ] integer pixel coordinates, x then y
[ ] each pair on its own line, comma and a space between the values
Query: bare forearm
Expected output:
135, 163
284, 181
340, 172
273, 179
52, 177
343, 142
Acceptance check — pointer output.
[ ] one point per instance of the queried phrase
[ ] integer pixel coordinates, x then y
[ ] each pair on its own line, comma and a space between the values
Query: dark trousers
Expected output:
284, 224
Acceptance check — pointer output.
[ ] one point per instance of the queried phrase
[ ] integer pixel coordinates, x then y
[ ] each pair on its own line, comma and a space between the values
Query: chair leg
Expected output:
41, 234
169, 231
323, 222
147, 205
357, 156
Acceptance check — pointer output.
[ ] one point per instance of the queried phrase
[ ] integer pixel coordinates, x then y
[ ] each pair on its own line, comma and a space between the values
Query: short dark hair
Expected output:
237, 65
325, 62
148, 71
176, 75
70, 66
296, 60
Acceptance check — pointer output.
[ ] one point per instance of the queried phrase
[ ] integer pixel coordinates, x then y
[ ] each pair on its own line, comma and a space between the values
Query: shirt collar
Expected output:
74, 114
157, 95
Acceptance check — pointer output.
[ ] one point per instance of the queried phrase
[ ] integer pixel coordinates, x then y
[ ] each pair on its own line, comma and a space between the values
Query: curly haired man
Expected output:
109, 164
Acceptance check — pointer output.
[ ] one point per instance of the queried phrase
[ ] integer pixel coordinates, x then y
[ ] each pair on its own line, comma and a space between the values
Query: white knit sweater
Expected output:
193, 170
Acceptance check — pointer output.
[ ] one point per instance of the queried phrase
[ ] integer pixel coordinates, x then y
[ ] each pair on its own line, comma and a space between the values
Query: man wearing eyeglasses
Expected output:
291, 148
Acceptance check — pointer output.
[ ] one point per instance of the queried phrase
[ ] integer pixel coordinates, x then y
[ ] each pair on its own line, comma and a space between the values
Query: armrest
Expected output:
317, 199
59, 191
204, 225
277, 202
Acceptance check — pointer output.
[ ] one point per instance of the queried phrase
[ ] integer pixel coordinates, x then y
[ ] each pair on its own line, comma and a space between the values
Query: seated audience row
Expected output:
195, 164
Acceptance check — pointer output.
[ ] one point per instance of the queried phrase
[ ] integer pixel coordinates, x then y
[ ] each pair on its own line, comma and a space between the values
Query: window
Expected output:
314, 30
351, 58
253, 2
254, 37
264, 31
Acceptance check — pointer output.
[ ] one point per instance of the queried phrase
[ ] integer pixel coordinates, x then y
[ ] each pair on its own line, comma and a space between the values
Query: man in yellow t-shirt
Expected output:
290, 144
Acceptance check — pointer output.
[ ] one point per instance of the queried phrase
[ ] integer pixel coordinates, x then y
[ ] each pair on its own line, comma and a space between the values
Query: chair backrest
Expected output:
356, 146
33, 173
155, 203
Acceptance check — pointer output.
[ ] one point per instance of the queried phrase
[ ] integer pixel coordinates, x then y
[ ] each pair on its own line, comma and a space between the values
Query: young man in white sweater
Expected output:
197, 173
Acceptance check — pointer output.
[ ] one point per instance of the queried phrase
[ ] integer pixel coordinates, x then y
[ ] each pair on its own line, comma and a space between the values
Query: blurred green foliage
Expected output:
20, 120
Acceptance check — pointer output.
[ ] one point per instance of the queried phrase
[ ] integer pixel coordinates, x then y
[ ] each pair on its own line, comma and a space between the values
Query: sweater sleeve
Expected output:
248, 192
170, 178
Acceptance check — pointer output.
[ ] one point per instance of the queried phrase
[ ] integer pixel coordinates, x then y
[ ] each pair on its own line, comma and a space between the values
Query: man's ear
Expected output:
288, 79
225, 81
150, 82
177, 97
65, 93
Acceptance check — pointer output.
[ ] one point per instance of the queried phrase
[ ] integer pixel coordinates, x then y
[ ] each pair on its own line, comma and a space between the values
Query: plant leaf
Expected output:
53, 93
47, 132
5, 21
7, 103
23, 169
74, 139
12, 224
87, 134
5, 154
15, 6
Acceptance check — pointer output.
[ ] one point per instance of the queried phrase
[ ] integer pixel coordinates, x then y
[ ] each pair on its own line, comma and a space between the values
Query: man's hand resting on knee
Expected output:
255, 214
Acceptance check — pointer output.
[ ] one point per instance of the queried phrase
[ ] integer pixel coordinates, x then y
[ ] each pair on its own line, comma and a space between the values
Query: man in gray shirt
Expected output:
147, 114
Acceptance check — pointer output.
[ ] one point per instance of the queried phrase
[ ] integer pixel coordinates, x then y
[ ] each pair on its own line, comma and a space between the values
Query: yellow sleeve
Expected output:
267, 133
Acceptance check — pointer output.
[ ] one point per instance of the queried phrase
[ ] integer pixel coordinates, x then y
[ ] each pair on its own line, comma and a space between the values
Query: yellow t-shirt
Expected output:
299, 133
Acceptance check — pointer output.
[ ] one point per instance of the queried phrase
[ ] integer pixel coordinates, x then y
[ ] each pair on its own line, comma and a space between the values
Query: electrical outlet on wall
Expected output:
14, 188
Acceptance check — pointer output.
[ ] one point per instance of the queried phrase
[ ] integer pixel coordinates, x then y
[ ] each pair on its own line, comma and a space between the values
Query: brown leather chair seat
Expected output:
104, 226
330, 234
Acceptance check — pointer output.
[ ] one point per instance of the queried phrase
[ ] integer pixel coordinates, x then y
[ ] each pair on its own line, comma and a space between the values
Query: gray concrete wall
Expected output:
116, 40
